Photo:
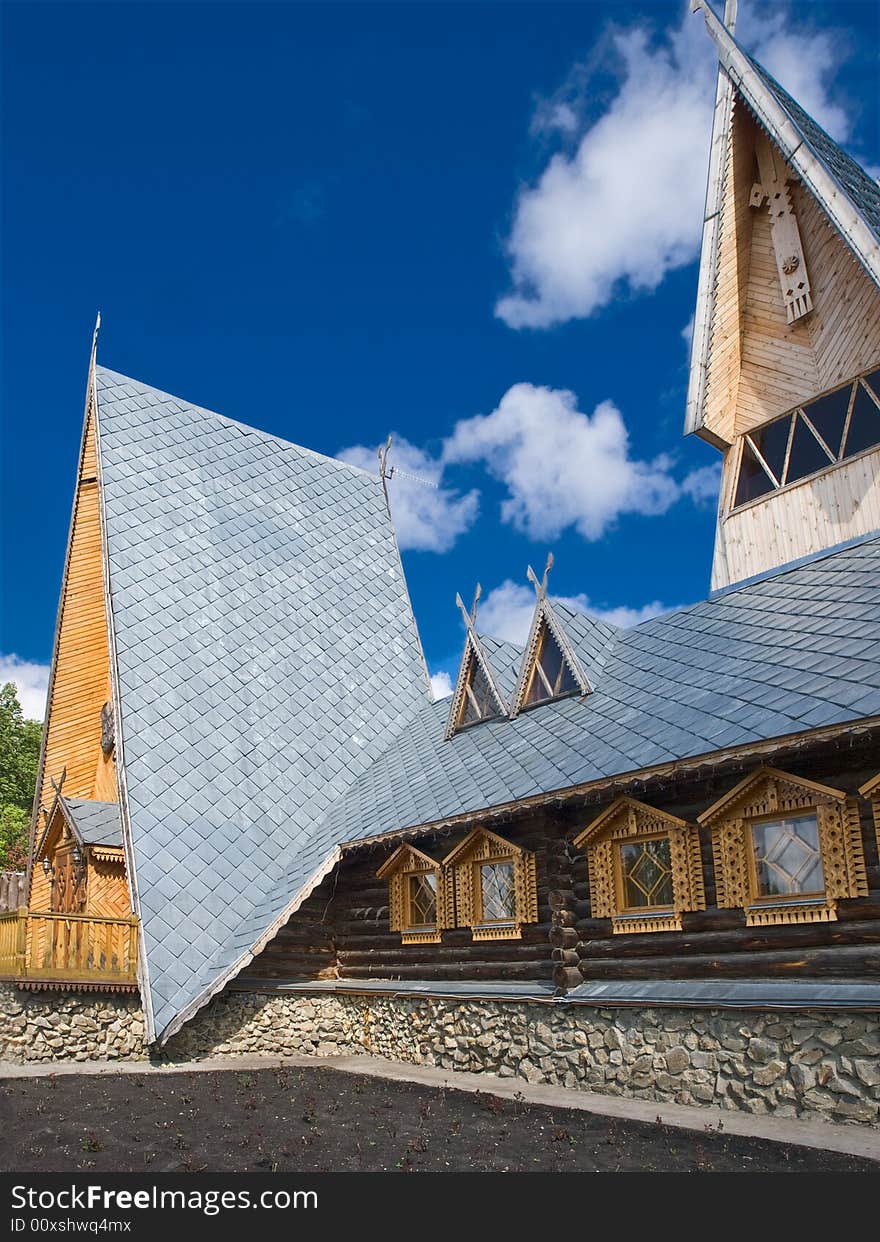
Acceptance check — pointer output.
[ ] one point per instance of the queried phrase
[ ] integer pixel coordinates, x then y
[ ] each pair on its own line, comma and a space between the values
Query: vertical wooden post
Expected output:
132, 947
21, 942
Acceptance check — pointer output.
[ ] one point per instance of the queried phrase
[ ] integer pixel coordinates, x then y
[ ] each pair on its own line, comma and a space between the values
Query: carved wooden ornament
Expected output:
629, 821
404, 863
791, 264
871, 791
479, 849
769, 794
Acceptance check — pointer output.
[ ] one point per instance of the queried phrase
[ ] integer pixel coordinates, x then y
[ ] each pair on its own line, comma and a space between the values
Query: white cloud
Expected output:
621, 203
426, 518
441, 685
507, 611
562, 467
31, 683
702, 485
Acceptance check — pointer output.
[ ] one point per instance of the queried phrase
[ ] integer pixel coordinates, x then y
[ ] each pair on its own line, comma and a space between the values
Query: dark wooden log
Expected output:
566, 978
475, 970
737, 940
563, 937
846, 961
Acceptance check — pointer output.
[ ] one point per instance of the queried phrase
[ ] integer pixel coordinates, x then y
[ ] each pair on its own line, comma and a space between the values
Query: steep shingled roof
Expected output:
265, 653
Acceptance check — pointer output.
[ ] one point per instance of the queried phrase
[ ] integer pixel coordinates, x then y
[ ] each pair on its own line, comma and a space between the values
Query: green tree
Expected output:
19, 758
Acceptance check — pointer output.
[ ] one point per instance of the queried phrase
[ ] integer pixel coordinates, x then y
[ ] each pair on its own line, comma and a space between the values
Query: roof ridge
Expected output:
238, 424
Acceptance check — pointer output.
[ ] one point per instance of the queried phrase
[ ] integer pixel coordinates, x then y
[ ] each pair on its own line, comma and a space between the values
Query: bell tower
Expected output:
785, 363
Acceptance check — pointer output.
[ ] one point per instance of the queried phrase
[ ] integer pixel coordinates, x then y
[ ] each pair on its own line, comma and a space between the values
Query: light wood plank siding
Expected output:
799, 521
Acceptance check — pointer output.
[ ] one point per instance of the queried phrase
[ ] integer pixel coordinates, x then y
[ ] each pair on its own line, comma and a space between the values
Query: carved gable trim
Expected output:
627, 819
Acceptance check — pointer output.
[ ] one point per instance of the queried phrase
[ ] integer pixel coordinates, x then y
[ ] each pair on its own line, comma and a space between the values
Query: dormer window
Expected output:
476, 696
551, 677
550, 669
810, 439
478, 701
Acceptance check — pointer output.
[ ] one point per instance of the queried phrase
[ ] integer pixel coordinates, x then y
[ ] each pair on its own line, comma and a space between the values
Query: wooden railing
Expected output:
73, 948
13, 943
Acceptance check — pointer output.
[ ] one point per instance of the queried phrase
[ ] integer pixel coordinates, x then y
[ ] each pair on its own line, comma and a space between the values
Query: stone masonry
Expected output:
785, 1064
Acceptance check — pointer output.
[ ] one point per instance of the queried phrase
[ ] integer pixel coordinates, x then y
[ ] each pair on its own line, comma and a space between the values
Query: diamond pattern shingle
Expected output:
266, 652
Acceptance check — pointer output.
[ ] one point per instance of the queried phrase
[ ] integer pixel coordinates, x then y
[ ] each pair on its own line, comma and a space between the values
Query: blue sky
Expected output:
472, 225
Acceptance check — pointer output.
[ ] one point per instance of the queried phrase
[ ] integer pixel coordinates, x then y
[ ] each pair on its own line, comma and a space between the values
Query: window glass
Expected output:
422, 899
646, 872
753, 478
864, 425
807, 455
478, 701
828, 416
771, 442
497, 892
551, 676
787, 858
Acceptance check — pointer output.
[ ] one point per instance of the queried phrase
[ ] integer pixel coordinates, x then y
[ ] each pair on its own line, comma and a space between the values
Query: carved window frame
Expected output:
871, 791
405, 862
628, 821
479, 848
767, 795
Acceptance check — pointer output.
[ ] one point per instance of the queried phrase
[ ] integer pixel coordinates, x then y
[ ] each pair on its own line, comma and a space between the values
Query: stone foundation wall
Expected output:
787, 1064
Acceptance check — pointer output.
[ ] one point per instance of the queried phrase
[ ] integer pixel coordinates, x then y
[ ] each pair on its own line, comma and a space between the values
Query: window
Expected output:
478, 701
421, 899
476, 696
645, 871
416, 895
871, 791
645, 867
810, 439
786, 849
495, 884
551, 676
786, 858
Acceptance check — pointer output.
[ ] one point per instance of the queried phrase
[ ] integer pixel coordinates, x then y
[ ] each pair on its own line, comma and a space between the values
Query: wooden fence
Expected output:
11, 891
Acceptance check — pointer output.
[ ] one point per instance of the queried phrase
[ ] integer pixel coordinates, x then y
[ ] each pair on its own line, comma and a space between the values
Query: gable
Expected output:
755, 354
265, 652
550, 669
759, 364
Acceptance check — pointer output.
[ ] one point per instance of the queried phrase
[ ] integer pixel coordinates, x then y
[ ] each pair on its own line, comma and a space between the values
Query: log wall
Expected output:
343, 930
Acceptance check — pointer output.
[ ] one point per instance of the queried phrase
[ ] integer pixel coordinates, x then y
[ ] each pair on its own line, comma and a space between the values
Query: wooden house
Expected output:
258, 782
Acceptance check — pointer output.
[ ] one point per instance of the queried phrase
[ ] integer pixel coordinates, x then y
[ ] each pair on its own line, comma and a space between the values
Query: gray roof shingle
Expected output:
98, 823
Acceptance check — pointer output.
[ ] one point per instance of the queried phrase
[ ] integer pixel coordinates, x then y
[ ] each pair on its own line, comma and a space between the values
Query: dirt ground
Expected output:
323, 1120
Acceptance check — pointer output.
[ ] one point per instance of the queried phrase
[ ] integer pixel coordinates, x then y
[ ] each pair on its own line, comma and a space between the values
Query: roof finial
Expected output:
730, 7
470, 617
540, 587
